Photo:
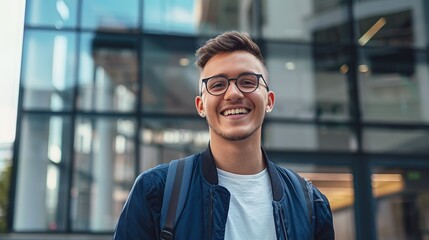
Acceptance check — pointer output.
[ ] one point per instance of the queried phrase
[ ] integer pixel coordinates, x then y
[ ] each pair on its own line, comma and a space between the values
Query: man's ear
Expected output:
271, 98
200, 106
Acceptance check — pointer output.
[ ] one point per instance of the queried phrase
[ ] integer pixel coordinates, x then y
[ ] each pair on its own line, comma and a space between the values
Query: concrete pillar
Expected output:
101, 217
30, 202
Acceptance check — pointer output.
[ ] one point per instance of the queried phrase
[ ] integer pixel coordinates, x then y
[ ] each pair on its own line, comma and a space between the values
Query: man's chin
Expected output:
235, 136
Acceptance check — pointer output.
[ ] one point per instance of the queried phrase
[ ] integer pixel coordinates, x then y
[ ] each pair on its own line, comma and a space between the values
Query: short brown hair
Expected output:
227, 42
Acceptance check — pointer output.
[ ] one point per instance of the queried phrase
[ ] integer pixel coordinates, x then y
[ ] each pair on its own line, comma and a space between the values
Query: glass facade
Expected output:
103, 170
48, 70
402, 202
107, 91
108, 73
168, 75
42, 183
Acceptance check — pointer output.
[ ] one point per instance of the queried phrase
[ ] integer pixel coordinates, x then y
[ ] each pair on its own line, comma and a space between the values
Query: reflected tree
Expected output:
4, 196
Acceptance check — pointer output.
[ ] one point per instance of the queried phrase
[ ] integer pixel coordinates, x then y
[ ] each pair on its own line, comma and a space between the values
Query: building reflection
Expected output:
108, 92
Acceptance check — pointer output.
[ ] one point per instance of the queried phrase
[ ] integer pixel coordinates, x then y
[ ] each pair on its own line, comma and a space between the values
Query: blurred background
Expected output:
106, 91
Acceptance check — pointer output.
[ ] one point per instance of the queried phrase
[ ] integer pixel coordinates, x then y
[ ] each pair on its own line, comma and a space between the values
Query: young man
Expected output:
235, 191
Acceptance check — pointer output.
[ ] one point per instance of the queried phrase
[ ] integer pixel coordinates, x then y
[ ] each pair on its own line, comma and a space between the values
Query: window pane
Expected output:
394, 85
48, 70
110, 14
402, 203
108, 73
53, 13
170, 79
103, 171
331, 66
204, 17
166, 140
42, 183
309, 82
285, 136
396, 140
305, 20
390, 22
292, 78
336, 183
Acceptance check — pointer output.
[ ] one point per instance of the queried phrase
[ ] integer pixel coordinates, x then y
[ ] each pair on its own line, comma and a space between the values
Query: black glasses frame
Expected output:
259, 76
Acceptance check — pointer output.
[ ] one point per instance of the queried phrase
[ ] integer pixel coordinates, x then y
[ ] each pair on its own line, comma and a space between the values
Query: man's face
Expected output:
234, 115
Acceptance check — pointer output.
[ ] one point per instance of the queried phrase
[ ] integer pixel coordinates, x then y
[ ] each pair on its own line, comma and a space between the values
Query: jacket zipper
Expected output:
282, 222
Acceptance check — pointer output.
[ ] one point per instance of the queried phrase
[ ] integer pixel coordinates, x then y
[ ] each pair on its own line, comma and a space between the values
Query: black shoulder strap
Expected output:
175, 193
307, 192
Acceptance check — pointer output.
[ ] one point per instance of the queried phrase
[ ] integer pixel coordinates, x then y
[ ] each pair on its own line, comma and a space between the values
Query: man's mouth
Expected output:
235, 111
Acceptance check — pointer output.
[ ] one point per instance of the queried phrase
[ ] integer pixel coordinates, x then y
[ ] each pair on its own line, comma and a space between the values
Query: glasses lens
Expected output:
248, 82
217, 85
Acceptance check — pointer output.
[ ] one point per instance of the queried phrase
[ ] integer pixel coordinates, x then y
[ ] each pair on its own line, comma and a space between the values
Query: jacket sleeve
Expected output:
324, 227
137, 219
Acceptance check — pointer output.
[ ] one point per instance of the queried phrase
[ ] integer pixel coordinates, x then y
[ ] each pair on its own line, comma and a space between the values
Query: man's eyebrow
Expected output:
246, 72
226, 76
217, 75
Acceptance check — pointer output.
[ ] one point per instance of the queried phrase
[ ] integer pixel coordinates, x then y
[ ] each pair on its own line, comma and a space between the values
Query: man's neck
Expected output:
239, 157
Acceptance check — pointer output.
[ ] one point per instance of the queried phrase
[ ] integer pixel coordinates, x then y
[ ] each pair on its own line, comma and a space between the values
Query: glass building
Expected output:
107, 91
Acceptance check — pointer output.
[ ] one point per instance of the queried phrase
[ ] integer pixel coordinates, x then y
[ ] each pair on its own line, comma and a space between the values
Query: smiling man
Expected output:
235, 191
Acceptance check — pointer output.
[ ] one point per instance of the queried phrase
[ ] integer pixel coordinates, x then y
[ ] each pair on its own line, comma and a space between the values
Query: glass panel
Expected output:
394, 85
402, 202
292, 78
170, 80
305, 20
103, 171
391, 22
48, 66
308, 82
282, 136
331, 66
42, 183
205, 17
53, 13
110, 14
108, 73
396, 140
336, 183
166, 140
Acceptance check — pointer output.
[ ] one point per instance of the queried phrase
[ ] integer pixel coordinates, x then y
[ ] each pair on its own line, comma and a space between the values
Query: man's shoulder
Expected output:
157, 171
156, 176
152, 178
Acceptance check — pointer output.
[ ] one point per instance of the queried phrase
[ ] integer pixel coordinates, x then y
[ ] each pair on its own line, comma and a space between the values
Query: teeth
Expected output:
235, 111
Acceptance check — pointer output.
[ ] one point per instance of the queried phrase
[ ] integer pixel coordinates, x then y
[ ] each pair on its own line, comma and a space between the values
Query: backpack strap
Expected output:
307, 194
175, 193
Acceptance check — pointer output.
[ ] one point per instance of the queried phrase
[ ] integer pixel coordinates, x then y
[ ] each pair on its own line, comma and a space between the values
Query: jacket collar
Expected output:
210, 172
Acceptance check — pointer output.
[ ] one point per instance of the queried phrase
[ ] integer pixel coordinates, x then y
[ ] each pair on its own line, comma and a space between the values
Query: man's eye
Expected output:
247, 83
218, 84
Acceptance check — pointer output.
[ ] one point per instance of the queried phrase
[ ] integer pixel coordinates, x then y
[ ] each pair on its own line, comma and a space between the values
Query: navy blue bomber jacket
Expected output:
206, 209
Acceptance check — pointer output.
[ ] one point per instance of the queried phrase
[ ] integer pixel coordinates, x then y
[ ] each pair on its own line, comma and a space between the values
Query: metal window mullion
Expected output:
364, 209
78, 32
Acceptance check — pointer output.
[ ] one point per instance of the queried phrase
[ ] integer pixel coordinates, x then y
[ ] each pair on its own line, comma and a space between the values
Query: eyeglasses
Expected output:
246, 83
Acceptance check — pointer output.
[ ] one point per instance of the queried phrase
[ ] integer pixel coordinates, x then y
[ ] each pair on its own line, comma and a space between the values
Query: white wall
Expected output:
11, 25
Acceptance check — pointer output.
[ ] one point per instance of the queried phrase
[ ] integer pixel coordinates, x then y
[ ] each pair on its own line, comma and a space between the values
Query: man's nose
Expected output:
233, 92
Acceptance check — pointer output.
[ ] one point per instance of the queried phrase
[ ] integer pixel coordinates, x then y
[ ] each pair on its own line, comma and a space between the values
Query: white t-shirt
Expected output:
250, 213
